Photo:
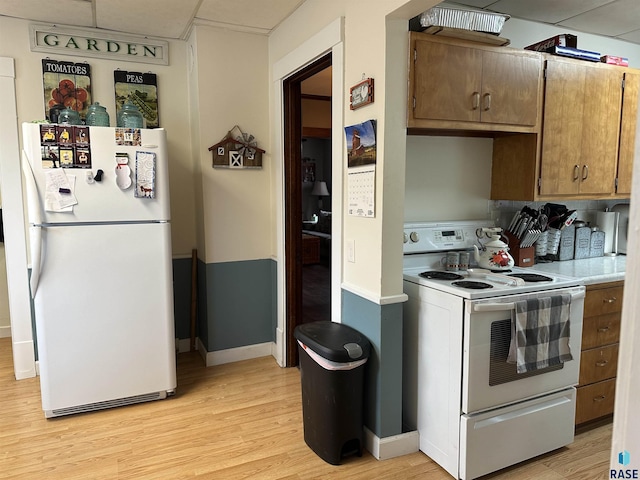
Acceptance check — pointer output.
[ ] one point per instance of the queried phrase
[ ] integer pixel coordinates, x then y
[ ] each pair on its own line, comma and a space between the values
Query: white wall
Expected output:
232, 85
447, 178
172, 104
374, 274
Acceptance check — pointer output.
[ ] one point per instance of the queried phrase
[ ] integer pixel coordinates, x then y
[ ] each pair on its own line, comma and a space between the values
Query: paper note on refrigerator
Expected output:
59, 191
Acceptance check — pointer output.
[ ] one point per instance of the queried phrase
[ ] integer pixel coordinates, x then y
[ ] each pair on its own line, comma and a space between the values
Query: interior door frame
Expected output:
329, 39
22, 340
292, 107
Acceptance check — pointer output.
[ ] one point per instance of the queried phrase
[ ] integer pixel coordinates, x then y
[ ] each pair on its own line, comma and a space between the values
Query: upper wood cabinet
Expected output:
457, 85
628, 132
582, 107
587, 143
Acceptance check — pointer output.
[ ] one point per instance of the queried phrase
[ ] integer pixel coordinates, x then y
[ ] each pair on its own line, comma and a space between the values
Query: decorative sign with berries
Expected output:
66, 85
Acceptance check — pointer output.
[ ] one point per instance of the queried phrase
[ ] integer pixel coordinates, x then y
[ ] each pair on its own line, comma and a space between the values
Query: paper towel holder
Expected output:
616, 224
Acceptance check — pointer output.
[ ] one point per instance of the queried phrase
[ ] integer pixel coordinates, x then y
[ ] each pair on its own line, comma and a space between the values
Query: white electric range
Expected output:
474, 413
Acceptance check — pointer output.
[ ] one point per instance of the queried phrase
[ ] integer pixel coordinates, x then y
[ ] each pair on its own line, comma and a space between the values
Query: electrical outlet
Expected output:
351, 250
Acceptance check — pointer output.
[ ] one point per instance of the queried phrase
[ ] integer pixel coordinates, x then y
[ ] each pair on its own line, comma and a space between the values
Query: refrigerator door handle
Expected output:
35, 242
33, 200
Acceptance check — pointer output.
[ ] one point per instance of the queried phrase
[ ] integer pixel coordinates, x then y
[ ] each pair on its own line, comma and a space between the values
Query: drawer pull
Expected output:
487, 101
476, 100
601, 363
609, 300
600, 398
576, 172
603, 329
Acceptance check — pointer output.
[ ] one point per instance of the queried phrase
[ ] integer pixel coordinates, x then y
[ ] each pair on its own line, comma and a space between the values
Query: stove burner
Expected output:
472, 285
531, 277
436, 275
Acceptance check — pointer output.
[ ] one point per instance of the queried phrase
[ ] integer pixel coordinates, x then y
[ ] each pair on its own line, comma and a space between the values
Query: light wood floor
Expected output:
234, 421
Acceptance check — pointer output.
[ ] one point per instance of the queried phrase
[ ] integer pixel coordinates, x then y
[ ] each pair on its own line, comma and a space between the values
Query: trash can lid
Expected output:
334, 341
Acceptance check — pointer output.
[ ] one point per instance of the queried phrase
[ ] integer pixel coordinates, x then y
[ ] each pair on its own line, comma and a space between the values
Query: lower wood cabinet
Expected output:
599, 356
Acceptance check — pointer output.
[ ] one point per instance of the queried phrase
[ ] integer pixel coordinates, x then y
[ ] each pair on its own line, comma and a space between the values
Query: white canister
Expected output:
608, 223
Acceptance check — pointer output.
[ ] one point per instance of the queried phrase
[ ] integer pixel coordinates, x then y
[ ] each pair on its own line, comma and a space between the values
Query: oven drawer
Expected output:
598, 364
595, 401
497, 439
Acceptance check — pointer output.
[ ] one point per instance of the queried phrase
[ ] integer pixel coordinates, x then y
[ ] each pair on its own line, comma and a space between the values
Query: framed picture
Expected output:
362, 94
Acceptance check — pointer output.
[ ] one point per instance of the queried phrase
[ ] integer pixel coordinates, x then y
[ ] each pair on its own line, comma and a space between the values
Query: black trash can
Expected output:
332, 362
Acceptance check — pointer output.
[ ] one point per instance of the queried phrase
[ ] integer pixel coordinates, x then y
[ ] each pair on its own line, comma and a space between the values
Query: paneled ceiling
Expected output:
610, 18
155, 18
173, 19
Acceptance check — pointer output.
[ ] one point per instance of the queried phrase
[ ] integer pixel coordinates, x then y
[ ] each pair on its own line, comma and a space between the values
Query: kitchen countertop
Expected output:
590, 270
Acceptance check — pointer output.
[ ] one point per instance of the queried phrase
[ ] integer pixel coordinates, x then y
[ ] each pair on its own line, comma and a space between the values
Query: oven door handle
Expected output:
495, 307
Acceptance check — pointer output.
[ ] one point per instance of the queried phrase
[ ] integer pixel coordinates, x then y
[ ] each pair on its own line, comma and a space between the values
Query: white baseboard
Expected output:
234, 354
391, 447
5, 332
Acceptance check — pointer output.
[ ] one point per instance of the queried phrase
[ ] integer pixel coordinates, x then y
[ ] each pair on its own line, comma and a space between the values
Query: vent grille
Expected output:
118, 402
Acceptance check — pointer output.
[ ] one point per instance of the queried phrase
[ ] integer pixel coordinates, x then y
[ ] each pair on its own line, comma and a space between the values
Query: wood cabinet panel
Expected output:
600, 330
581, 124
510, 88
598, 364
457, 85
628, 132
599, 356
447, 82
587, 143
595, 401
599, 301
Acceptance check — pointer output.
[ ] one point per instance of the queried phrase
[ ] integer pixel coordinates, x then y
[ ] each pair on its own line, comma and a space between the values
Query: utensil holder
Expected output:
522, 257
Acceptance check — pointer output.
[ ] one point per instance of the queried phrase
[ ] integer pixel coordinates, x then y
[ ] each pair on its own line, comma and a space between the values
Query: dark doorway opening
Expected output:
295, 247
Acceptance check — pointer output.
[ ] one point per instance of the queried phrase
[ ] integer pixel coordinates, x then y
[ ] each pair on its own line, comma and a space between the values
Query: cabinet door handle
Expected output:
601, 363
609, 300
585, 172
487, 101
476, 100
603, 329
600, 398
576, 172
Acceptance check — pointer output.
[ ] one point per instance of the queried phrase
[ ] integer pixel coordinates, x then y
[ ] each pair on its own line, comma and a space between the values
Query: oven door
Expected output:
489, 381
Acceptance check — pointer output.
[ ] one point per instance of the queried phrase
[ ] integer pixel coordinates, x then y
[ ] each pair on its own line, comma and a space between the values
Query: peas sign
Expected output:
97, 44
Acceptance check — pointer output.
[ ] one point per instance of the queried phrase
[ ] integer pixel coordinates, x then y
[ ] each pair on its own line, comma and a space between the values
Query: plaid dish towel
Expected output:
540, 333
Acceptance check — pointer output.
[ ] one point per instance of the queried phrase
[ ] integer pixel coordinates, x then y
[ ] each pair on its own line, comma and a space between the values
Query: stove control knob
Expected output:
405, 239
414, 237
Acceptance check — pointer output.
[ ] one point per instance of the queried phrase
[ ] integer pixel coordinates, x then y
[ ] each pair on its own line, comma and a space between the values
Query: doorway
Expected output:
294, 178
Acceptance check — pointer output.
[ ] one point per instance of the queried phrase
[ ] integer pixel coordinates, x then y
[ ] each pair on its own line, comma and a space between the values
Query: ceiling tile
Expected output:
471, 3
547, 11
633, 37
622, 17
64, 12
265, 14
146, 17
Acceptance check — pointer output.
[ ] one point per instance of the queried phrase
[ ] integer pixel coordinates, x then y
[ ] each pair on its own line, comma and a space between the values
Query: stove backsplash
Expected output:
502, 211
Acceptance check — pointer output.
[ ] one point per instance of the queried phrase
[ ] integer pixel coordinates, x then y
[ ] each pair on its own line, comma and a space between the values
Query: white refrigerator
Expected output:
101, 281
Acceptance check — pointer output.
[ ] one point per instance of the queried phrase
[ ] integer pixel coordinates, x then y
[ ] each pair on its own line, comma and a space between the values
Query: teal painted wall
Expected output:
382, 325
236, 303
